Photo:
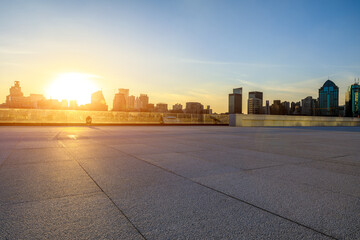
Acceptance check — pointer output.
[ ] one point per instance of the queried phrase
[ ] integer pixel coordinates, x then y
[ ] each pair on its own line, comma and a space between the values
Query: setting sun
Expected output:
73, 86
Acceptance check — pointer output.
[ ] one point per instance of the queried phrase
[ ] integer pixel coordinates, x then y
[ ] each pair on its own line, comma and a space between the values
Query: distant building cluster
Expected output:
16, 99
122, 102
327, 103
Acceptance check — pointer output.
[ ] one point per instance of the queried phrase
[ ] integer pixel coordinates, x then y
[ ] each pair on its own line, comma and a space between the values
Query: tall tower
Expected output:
235, 101
255, 102
125, 92
352, 101
144, 100
329, 99
16, 97
98, 101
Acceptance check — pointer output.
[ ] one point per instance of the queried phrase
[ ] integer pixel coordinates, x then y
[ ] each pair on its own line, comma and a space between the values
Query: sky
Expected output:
179, 51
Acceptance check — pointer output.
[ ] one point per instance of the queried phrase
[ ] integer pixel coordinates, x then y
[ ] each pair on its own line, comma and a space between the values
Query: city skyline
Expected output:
123, 101
179, 119
183, 50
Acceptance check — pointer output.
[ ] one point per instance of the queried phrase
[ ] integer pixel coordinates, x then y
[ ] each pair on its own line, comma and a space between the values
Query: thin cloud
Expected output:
9, 64
262, 65
15, 52
296, 87
196, 61
345, 67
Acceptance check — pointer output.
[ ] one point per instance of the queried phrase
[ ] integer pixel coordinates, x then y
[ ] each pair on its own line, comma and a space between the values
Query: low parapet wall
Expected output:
71, 117
241, 120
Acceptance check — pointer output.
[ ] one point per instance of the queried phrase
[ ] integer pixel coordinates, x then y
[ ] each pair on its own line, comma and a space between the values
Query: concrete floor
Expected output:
192, 182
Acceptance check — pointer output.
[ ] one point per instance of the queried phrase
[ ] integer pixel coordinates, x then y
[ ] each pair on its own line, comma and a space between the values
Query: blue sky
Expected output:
178, 51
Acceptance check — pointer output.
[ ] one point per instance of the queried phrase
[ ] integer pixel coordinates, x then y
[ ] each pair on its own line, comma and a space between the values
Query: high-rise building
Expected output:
235, 101
275, 107
138, 103
307, 105
286, 107
256, 94
279, 108
266, 108
342, 111
120, 100
255, 102
98, 102
177, 108
64, 104
150, 107
254, 106
208, 110
125, 92
49, 104
144, 99
316, 107
15, 91
34, 99
297, 108
131, 102
16, 98
73, 104
352, 101
194, 108
161, 107
329, 99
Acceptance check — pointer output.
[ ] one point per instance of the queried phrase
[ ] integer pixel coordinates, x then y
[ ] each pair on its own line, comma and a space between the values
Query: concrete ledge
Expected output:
48, 117
241, 120
106, 124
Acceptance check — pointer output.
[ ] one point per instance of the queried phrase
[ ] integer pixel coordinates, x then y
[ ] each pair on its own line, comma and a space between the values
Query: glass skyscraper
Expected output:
235, 101
329, 99
353, 101
255, 102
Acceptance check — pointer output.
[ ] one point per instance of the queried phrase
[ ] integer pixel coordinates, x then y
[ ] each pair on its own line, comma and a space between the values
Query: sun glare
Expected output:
73, 86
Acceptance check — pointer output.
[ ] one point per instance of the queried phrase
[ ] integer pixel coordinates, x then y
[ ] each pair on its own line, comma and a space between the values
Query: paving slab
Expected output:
90, 216
34, 182
184, 210
246, 159
187, 166
35, 155
328, 212
321, 178
179, 182
125, 173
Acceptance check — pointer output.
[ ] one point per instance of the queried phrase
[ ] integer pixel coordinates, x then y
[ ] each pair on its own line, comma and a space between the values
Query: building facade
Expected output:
255, 102
144, 99
97, 102
307, 106
177, 108
131, 102
329, 99
207, 110
352, 101
194, 108
120, 102
161, 107
16, 98
235, 101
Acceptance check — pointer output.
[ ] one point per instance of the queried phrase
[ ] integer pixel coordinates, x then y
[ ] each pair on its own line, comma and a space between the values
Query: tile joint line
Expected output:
102, 190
